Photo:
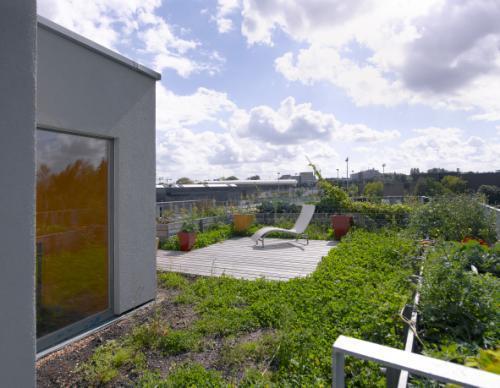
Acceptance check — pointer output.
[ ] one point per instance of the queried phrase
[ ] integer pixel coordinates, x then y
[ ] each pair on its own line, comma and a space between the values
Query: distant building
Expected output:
366, 175
307, 179
304, 179
223, 190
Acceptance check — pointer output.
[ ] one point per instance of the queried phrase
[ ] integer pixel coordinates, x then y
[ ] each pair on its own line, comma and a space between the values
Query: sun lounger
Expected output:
298, 229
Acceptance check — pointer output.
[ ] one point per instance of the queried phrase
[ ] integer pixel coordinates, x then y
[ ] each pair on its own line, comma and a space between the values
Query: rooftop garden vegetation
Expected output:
272, 333
267, 333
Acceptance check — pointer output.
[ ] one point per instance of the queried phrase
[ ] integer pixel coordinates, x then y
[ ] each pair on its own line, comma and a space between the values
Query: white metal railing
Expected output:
413, 363
496, 213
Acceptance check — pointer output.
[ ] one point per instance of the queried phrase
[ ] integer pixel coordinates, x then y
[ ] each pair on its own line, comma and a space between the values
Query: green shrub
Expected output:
455, 303
452, 217
374, 189
491, 193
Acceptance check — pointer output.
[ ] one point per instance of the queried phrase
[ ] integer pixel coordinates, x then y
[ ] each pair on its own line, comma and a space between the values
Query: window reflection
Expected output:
71, 229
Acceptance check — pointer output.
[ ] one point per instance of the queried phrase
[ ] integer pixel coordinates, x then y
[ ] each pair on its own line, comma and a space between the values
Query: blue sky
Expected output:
256, 86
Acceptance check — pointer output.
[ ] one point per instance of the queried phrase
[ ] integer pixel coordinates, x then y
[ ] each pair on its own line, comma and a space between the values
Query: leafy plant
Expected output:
454, 184
491, 192
486, 359
334, 199
457, 303
374, 189
452, 217
189, 226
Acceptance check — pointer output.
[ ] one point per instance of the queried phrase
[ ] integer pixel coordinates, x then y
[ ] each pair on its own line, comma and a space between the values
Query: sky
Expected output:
259, 86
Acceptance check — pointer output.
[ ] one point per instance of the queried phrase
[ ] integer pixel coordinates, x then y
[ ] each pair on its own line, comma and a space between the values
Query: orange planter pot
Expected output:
341, 224
186, 240
242, 222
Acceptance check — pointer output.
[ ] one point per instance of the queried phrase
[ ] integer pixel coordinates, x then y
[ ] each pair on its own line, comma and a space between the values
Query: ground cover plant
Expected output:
265, 333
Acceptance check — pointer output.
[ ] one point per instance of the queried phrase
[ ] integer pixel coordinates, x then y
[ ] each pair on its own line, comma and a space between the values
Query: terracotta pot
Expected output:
186, 240
242, 222
341, 225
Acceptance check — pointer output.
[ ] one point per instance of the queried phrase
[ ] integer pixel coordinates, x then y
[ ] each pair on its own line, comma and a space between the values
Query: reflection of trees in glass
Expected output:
72, 198
72, 231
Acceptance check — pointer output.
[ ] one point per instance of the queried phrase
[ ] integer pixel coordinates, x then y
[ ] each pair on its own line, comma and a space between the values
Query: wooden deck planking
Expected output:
241, 258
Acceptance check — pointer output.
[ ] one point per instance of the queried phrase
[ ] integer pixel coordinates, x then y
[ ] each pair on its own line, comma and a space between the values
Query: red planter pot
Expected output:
186, 240
341, 225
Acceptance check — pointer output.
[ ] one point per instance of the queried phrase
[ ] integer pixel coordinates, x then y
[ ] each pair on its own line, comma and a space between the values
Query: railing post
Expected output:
338, 369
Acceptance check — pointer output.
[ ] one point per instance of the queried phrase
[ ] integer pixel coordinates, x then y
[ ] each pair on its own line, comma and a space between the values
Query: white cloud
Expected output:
294, 123
224, 9
205, 135
441, 53
115, 23
430, 147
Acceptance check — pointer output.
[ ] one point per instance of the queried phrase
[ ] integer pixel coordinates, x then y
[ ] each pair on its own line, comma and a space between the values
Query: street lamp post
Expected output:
347, 171
383, 169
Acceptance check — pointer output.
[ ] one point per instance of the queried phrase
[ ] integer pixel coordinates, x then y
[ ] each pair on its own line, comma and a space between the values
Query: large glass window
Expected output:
72, 229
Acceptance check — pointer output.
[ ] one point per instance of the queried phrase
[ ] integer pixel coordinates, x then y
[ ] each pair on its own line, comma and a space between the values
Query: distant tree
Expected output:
254, 178
454, 184
429, 187
437, 170
374, 189
353, 190
184, 181
231, 178
491, 192
414, 171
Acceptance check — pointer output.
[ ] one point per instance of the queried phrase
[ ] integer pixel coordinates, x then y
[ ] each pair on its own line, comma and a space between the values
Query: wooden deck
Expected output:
241, 258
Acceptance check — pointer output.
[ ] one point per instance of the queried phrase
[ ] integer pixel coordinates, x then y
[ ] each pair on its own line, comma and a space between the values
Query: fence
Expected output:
369, 221
164, 231
176, 209
496, 212
413, 363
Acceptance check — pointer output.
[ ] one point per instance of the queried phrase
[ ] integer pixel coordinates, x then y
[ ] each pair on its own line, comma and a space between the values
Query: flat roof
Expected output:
95, 47
258, 182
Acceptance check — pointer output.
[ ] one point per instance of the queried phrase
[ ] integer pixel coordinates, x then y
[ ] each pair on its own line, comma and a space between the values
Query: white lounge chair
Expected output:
298, 229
